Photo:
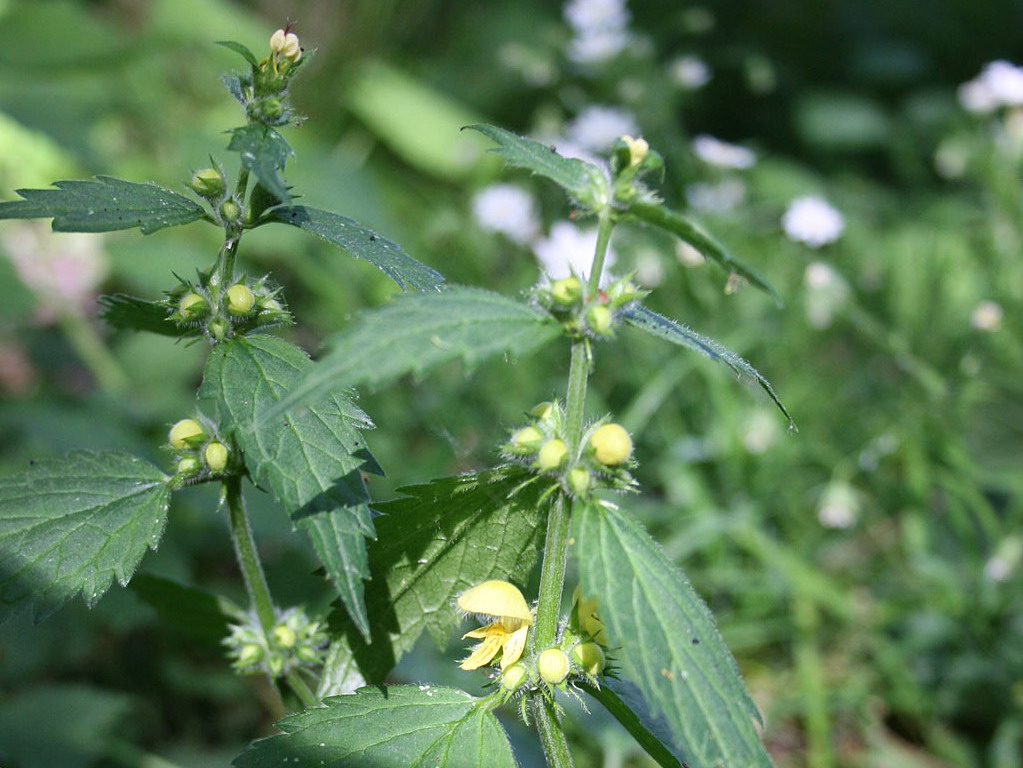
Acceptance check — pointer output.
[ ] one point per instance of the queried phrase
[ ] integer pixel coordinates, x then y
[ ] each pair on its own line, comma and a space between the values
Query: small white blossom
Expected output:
760, 432
597, 47
507, 209
690, 72
839, 506
721, 196
826, 293
987, 316
598, 127
1006, 559
586, 15
569, 250
1000, 84
721, 154
812, 220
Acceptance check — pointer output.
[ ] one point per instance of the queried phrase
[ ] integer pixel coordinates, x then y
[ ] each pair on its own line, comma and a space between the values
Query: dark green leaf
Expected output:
397, 726
669, 330
234, 86
418, 332
361, 243
625, 703
435, 542
690, 232
584, 181
668, 644
264, 152
197, 612
74, 525
104, 204
133, 314
311, 460
241, 50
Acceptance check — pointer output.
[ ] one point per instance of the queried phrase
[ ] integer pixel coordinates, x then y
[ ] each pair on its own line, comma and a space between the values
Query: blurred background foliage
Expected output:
865, 570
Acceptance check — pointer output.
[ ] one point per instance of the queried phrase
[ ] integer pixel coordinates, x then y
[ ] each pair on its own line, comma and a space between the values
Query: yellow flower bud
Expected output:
285, 636
192, 305
216, 456
208, 183
187, 465
553, 666
286, 44
542, 410
240, 300
637, 149
186, 433
552, 455
527, 440
579, 480
513, 677
599, 319
611, 445
567, 291
590, 658
230, 211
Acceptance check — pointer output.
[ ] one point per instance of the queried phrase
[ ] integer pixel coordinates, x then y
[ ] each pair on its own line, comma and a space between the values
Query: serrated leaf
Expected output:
669, 330
312, 460
240, 49
419, 332
623, 700
264, 152
584, 181
362, 243
73, 525
133, 314
669, 645
689, 231
104, 204
194, 611
434, 542
397, 726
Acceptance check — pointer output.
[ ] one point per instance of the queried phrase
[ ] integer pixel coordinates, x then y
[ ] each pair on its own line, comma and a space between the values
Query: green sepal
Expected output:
104, 204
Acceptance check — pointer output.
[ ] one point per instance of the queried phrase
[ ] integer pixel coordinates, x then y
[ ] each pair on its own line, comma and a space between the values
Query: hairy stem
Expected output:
301, 689
248, 557
555, 746
605, 224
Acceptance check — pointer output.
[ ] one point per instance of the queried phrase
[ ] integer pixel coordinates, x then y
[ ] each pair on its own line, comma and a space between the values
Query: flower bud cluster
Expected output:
201, 454
631, 160
294, 641
245, 306
211, 185
601, 460
582, 313
263, 90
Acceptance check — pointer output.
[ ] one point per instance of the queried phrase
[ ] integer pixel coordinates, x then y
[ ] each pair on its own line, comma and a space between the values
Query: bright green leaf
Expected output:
104, 204
690, 232
434, 542
419, 332
311, 460
264, 152
668, 644
133, 314
361, 243
669, 330
75, 524
396, 726
241, 50
583, 181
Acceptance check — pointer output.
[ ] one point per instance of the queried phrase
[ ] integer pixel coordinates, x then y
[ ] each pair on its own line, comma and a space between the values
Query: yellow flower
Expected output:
505, 603
585, 618
637, 149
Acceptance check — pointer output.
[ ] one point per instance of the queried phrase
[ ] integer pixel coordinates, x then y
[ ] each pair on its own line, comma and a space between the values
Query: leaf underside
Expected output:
104, 204
73, 525
670, 330
362, 243
312, 460
435, 541
583, 181
669, 645
391, 727
418, 332
264, 152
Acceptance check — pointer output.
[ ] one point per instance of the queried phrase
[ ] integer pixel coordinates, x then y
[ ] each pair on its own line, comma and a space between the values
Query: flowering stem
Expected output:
555, 746
604, 226
248, 557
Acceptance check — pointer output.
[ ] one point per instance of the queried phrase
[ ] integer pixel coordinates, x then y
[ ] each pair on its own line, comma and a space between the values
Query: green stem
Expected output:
248, 557
604, 226
555, 746
301, 689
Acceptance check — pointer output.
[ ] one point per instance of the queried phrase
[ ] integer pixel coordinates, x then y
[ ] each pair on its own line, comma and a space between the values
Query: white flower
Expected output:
826, 292
975, 96
569, 250
507, 209
600, 29
987, 316
690, 72
716, 197
599, 46
722, 154
597, 128
760, 432
1000, 84
812, 220
1006, 559
839, 505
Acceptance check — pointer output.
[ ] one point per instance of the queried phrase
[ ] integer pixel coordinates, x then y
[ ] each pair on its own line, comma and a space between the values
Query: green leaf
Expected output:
264, 152
104, 204
434, 542
397, 726
626, 704
312, 460
668, 643
418, 332
74, 525
690, 232
669, 330
241, 50
584, 181
196, 612
361, 243
133, 314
